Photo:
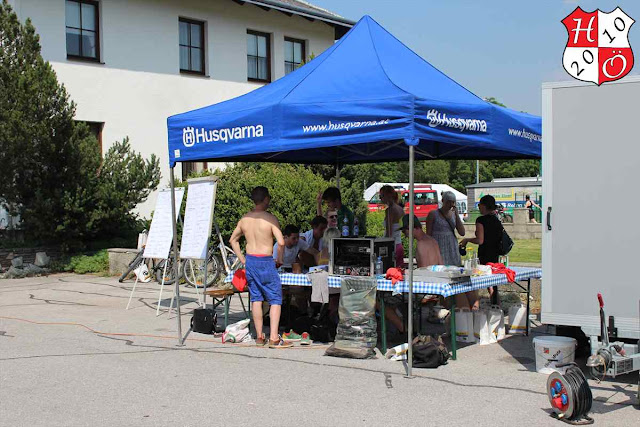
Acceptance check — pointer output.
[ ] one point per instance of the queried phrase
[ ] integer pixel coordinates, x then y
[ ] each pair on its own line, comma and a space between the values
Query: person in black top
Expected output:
529, 204
488, 237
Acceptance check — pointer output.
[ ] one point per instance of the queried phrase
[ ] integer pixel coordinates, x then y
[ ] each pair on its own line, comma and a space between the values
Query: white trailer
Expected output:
591, 236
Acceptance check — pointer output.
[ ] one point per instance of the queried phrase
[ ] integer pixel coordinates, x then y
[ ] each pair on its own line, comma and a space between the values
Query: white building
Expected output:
130, 64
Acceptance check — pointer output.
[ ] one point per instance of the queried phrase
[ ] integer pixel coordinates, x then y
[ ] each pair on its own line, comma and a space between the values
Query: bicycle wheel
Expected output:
132, 266
193, 271
159, 270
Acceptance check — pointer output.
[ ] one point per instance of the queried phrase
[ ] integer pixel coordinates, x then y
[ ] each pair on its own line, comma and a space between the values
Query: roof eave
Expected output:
342, 23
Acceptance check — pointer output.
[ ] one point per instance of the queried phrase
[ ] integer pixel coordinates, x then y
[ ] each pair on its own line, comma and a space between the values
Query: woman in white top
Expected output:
392, 219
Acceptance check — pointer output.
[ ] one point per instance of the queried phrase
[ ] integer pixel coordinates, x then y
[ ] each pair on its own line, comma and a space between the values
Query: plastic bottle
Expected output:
379, 266
356, 227
345, 227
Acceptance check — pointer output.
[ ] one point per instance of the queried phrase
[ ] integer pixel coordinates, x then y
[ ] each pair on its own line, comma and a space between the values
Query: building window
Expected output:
191, 46
293, 54
95, 128
191, 168
258, 56
83, 34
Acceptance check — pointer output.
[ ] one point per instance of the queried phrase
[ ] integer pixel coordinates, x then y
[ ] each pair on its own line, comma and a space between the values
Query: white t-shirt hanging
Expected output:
290, 254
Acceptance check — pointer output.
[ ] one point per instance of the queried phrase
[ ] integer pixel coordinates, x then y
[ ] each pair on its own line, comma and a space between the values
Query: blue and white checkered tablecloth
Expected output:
444, 289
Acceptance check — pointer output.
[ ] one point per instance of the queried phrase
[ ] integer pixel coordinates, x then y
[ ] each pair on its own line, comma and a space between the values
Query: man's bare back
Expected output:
259, 229
428, 251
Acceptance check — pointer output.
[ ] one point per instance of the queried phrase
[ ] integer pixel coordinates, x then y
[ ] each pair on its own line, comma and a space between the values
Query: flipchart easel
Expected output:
161, 234
196, 230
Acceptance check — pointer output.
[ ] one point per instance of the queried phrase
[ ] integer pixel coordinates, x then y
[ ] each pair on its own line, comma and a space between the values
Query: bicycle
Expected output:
221, 261
502, 215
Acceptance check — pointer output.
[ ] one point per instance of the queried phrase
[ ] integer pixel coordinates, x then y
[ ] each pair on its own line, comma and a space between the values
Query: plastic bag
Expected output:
481, 327
464, 326
356, 333
398, 352
496, 324
142, 272
518, 319
238, 326
237, 332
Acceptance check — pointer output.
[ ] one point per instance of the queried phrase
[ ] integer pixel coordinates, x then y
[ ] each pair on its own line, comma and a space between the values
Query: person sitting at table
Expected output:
427, 249
332, 218
323, 256
428, 253
392, 217
313, 237
293, 245
333, 198
488, 237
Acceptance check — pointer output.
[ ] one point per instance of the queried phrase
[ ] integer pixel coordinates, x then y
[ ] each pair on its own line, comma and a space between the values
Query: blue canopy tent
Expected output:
368, 98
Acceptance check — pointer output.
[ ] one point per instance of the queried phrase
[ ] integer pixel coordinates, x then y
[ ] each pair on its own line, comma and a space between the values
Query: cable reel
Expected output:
570, 395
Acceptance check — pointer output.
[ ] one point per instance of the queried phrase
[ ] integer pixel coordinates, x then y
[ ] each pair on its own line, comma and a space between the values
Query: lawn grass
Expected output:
528, 251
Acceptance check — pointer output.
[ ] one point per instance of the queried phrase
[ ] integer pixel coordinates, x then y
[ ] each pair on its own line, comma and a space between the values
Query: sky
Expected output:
496, 48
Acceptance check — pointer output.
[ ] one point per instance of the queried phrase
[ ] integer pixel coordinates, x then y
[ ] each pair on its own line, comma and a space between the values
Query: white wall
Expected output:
138, 84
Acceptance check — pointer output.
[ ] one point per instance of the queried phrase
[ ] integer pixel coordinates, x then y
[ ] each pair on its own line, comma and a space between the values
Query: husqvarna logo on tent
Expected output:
437, 119
188, 137
192, 136
598, 48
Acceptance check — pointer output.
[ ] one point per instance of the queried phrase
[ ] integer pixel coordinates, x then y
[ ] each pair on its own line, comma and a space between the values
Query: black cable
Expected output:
582, 397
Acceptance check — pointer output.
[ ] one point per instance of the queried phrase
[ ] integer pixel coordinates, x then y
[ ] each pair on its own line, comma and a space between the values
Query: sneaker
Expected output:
279, 343
305, 340
291, 336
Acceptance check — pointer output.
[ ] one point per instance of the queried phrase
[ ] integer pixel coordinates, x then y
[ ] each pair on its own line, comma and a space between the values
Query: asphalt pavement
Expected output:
71, 355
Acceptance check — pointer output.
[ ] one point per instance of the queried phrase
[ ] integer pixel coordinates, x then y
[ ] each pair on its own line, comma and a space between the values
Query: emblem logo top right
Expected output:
598, 48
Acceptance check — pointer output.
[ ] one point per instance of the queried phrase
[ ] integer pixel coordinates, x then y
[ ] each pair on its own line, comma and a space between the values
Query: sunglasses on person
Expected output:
333, 216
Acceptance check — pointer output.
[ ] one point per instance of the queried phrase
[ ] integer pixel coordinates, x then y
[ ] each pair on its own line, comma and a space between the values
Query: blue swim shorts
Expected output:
263, 280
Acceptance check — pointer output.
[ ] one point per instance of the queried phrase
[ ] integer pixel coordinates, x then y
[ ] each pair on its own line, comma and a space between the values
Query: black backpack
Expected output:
429, 353
204, 321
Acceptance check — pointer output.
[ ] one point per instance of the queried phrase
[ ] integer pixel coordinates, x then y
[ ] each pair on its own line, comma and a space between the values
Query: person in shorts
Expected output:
260, 228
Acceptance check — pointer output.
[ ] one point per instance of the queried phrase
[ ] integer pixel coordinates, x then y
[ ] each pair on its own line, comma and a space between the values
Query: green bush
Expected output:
375, 226
293, 190
83, 264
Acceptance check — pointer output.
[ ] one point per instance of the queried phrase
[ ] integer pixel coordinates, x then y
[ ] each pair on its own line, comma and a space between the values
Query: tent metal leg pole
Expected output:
175, 254
454, 336
338, 176
383, 324
410, 269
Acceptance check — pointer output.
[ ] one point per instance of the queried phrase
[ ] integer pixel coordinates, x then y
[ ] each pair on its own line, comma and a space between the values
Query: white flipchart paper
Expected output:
161, 231
198, 219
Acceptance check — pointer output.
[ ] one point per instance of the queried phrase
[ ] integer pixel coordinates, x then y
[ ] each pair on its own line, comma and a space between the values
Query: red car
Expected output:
425, 200
375, 205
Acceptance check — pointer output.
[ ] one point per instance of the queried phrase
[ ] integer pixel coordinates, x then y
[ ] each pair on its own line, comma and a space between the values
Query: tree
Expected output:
293, 191
52, 173
125, 179
45, 156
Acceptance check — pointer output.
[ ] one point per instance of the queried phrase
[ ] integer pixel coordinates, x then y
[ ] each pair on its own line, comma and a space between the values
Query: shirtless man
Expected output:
428, 253
259, 228
427, 249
